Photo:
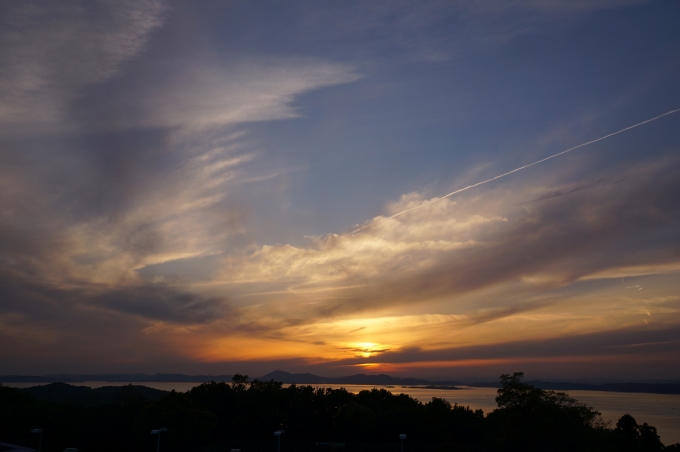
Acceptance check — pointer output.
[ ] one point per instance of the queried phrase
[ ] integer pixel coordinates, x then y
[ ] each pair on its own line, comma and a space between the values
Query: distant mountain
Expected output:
86, 396
23, 379
278, 375
288, 378
359, 379
136, 378
652, 388
140, 378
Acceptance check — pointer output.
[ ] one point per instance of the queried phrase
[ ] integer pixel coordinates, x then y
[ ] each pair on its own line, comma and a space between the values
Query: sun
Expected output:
366, 349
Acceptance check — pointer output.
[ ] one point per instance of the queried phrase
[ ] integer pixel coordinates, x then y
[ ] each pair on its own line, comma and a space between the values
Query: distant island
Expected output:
650, 388
114, 378
243, 414
455, 388
278, 375
358, 379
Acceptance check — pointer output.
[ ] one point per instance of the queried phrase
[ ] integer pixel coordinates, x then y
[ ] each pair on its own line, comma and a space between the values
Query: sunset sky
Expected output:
209, 187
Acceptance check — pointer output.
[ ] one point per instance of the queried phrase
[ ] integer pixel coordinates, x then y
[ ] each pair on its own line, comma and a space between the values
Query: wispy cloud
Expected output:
83, 218
53, 50
204, 94
420, 239
132, 192
477, 184
483, 258
439, 30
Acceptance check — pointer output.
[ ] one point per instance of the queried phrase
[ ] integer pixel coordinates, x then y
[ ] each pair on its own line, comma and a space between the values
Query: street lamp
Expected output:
158, 432
38, 430
279, 433
402, 437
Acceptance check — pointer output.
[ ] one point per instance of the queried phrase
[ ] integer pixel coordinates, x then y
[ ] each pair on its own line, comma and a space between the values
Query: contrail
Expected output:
526, 166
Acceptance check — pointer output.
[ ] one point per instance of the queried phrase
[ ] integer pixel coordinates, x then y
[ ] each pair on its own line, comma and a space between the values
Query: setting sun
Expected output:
433, 188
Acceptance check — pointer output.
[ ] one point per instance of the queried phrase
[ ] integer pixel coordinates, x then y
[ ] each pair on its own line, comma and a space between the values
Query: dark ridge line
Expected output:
358, 379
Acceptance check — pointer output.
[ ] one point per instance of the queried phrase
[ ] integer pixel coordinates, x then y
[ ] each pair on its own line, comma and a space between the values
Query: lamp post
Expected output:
158, 432
279, 433
402, 437
38, 430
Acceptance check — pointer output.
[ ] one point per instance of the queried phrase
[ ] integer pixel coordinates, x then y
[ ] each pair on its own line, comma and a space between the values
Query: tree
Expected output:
532, 419
239, 382
353, 422
632, 437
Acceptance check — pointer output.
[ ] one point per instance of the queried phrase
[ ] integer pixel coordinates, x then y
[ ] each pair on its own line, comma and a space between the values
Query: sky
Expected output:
233, 186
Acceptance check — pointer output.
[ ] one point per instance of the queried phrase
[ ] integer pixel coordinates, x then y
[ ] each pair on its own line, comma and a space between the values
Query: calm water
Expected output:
660, 410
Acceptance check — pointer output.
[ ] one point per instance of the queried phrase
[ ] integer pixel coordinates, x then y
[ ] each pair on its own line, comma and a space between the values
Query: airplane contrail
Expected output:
525, 166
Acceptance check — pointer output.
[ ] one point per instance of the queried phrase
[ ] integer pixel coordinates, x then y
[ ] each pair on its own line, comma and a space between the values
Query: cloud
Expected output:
53, 50
597, 354
488, 242
71, 324
162, 302
625, 341
257, 90
126, 231
438, 30
449, 272
87, 213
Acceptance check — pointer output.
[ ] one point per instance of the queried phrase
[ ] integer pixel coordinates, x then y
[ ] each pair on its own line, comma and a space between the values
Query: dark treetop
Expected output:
211, 416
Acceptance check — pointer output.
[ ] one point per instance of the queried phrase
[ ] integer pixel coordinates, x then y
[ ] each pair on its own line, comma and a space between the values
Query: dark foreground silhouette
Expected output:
220, 416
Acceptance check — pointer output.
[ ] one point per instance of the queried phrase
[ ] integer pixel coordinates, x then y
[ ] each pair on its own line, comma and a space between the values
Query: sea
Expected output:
659, 410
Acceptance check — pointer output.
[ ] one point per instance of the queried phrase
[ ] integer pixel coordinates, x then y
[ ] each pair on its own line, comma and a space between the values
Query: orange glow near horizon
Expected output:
335, 340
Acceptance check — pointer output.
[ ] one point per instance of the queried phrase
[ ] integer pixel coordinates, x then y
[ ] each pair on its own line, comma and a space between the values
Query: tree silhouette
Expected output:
212, 415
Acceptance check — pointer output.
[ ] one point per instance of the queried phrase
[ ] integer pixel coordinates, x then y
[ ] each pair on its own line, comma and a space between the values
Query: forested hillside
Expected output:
213, 416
